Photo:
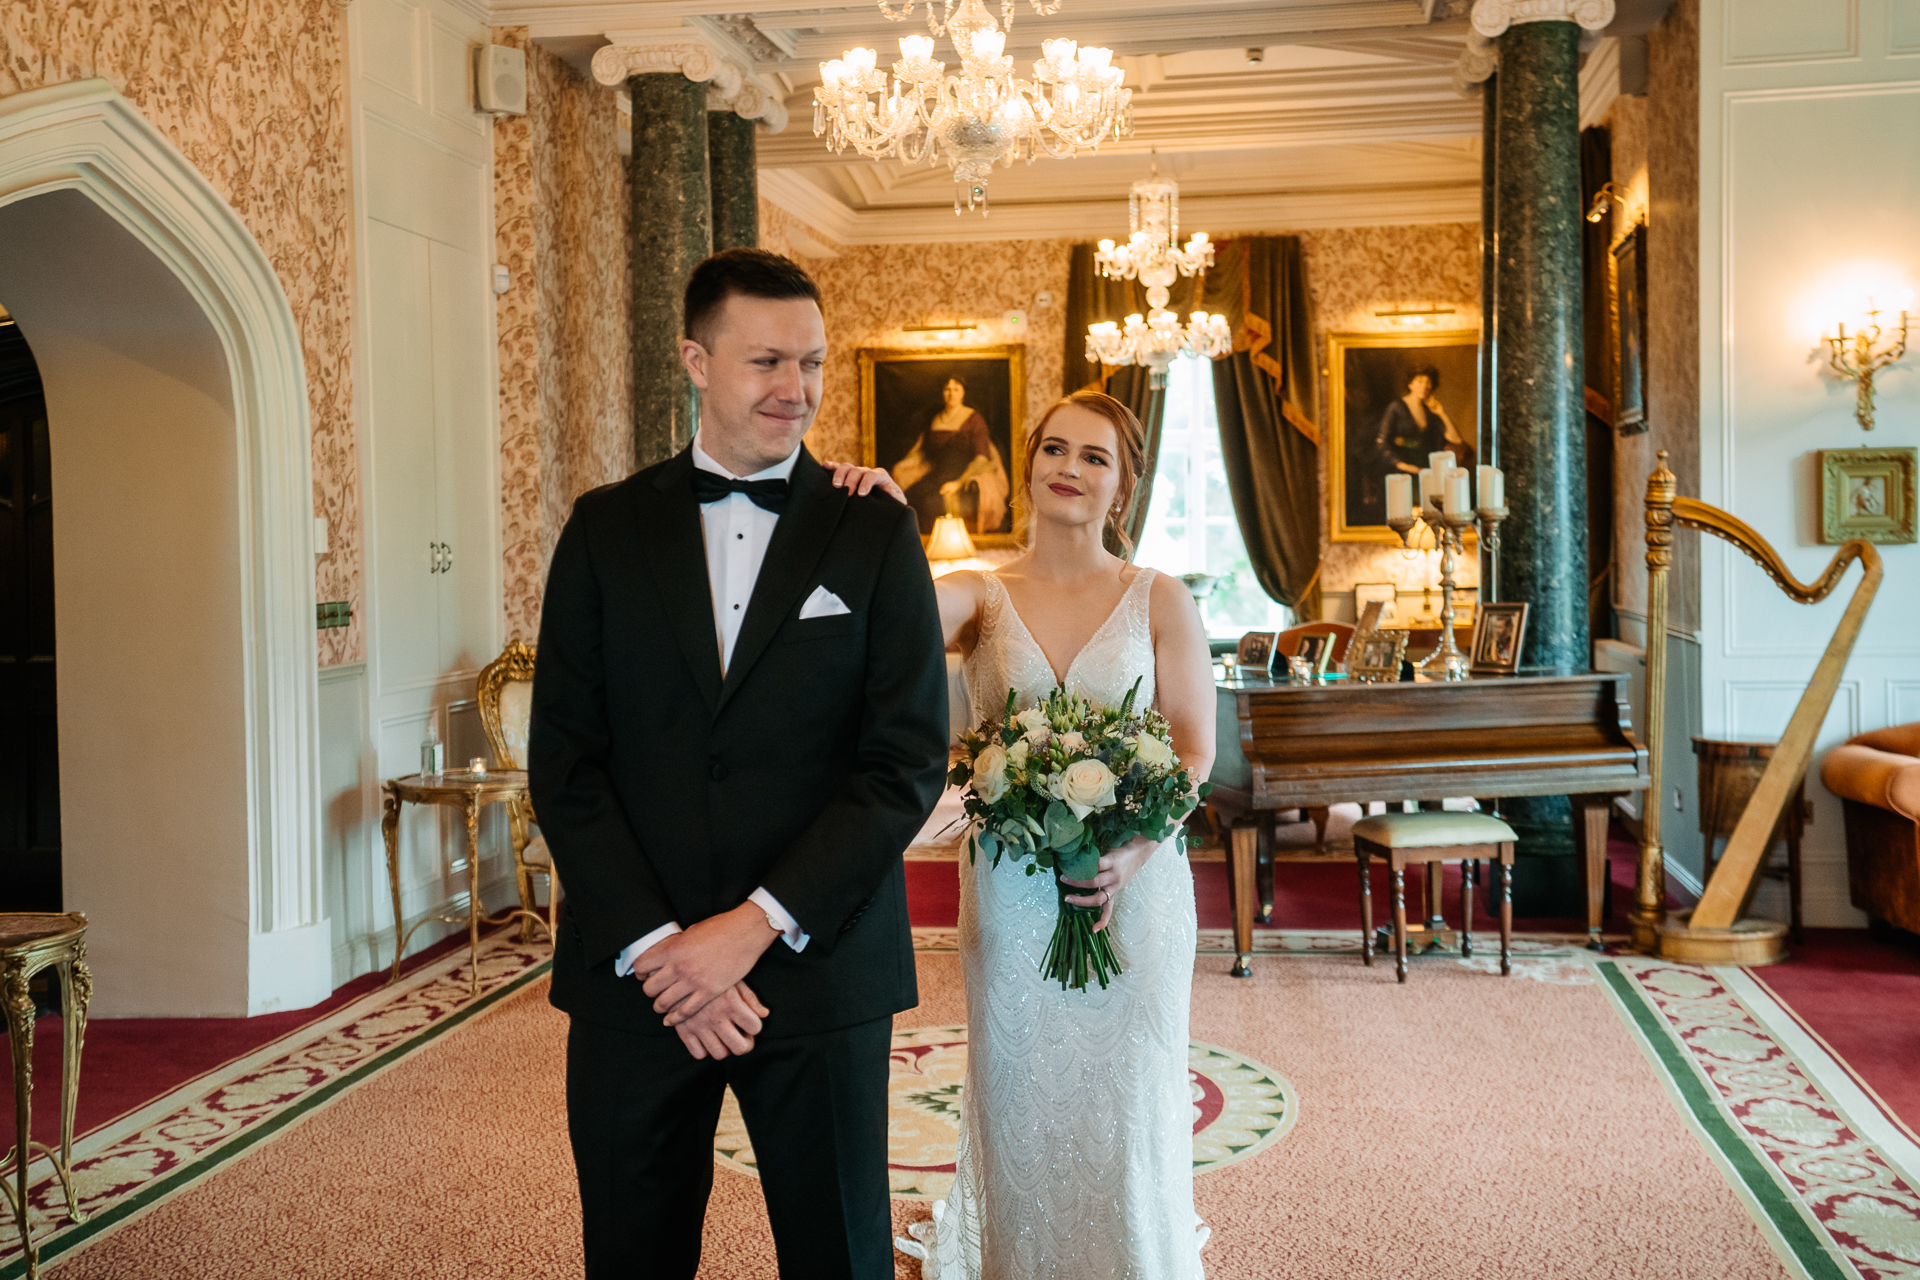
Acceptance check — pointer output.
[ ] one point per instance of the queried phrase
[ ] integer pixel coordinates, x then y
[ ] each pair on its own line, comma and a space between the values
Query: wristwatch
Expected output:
773, 924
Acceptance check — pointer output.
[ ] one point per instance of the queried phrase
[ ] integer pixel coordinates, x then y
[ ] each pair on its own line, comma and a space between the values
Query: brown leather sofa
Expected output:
1877, 776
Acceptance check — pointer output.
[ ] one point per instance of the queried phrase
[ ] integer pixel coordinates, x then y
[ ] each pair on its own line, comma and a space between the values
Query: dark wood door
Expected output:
29, 743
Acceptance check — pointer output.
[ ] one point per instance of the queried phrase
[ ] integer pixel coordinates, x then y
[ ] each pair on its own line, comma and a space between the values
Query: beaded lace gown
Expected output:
1076, 1123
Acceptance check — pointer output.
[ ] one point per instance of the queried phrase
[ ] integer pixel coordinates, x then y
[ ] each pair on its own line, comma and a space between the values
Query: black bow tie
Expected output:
768, 495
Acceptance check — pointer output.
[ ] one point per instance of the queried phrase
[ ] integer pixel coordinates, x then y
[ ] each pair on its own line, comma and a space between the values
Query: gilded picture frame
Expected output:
910, 425
1367, 375
1630, 332
1374, 657
1867, 494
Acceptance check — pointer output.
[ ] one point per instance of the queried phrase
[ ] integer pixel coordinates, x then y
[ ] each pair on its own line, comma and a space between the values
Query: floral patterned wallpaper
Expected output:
253, 93
566, 394
870, 291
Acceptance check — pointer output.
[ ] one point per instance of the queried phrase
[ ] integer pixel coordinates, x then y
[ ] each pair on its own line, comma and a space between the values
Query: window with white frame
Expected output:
1190, 523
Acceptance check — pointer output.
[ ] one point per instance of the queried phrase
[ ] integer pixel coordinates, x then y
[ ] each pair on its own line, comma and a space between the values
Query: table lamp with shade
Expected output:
949, 548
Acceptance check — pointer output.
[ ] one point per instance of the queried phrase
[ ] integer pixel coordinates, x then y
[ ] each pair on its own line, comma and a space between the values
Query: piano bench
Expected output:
1448, 836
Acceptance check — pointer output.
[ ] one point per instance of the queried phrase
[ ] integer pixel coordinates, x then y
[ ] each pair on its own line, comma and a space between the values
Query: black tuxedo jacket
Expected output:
667, 793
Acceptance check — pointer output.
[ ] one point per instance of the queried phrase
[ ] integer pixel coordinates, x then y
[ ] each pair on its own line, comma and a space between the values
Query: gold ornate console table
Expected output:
30, 942
469, 793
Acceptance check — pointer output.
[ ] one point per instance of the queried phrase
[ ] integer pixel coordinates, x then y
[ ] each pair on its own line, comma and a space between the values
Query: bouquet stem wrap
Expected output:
1076, 951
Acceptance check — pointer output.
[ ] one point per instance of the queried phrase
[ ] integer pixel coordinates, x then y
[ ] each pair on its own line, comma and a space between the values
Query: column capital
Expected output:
1491, 18
687, 52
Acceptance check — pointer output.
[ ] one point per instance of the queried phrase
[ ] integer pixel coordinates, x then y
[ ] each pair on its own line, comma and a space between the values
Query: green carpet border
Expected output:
1783, 1212
78, 1236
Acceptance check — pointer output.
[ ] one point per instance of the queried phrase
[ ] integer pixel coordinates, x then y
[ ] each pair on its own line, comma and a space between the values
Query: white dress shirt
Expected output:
737, 532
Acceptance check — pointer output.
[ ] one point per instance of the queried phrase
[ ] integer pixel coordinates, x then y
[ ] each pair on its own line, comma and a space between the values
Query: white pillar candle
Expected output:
1429, 487
1400, 497
1493, 488
1441, 463
1459, 501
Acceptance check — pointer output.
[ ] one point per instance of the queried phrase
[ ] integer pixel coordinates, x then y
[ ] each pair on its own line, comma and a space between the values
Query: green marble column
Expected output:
671, 232
732, 160
1539, 374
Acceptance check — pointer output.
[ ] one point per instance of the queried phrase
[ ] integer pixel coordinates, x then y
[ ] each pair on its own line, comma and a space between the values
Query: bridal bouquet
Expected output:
1057, 785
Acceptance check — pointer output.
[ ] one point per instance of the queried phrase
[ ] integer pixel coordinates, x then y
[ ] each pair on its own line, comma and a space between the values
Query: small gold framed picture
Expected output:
1867, 494
1498, 637
1255, 651
1383, 594
1375, 656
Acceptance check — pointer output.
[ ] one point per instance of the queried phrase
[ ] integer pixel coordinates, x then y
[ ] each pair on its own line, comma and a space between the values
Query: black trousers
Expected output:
641, 1113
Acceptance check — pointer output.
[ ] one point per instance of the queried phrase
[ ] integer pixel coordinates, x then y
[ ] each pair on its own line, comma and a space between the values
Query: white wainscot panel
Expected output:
389, 46
1903, 27
1762, 31
1758, 711
419, 186
1787, 278
1903, 701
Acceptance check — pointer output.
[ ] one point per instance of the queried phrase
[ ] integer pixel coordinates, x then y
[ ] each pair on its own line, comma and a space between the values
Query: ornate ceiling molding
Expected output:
1491, 18
730, 87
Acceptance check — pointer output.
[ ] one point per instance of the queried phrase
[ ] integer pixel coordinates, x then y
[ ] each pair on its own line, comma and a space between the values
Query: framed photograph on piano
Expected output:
1499, 634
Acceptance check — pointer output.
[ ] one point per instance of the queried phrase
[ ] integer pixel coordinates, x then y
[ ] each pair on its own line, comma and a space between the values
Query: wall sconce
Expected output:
1604, 200
1861, 356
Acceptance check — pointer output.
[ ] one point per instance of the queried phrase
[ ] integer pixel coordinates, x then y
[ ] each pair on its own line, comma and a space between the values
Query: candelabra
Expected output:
1490, 519
1861, 356
1446, 526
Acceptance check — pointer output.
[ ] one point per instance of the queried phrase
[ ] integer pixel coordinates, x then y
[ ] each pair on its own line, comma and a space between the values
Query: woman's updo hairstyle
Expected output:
1131, 457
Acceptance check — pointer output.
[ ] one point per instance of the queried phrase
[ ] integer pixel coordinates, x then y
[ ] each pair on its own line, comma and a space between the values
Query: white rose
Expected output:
1153, 752
1072, 742
990, 774
1085, 785
1033, 720
1017, 755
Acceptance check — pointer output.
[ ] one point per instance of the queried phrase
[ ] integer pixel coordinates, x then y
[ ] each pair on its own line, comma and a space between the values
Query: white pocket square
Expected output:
823, 604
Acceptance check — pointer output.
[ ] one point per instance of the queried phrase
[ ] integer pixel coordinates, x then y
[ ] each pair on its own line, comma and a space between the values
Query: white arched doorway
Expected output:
183, 576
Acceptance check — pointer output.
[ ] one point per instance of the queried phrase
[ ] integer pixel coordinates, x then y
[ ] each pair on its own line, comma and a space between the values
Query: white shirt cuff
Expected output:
789, 927
623, 965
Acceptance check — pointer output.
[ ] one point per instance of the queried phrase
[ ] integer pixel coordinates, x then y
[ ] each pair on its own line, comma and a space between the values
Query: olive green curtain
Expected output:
1092, 298
1267, 399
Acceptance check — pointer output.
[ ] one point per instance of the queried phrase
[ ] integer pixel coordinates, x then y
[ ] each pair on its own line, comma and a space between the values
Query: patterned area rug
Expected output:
124, 1169
1240, 1108
1596, 1116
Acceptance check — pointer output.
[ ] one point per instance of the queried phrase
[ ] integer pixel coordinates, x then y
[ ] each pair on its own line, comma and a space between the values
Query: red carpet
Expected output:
128, 1062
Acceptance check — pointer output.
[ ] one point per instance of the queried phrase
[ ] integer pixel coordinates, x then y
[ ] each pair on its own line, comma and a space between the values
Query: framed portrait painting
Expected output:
1630, 331
1395, 398
949, 426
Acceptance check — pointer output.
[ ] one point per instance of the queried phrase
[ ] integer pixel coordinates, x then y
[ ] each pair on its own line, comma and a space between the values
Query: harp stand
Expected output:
1713, 933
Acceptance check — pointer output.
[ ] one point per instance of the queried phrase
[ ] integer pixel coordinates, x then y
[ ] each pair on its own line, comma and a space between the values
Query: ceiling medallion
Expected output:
985, 113
1153, 256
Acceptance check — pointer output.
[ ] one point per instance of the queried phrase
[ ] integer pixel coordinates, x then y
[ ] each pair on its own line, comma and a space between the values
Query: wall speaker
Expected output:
500, 75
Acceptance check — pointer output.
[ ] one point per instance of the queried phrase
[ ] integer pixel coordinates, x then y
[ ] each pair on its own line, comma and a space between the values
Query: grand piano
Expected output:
1283, 746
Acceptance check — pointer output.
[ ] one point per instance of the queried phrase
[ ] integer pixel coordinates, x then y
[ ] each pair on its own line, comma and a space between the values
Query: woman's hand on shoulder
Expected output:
864, 480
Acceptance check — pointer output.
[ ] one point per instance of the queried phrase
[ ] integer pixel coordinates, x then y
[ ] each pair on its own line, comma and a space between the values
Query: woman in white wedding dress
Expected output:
1076, 1122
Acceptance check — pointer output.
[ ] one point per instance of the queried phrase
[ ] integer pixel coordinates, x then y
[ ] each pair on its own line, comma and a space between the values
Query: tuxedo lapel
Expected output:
813, 511
677, 555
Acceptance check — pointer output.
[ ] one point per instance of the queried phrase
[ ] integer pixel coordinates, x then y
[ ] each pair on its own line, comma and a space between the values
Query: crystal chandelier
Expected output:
981, 115
1151, 255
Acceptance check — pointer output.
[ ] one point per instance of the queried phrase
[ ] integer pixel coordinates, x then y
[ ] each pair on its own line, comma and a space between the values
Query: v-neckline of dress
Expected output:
1059, 680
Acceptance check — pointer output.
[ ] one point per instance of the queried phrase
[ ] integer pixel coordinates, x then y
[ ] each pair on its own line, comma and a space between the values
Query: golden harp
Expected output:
1713, 933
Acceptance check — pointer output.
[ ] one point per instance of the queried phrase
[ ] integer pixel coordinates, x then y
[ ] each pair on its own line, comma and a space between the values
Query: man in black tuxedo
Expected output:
739, 723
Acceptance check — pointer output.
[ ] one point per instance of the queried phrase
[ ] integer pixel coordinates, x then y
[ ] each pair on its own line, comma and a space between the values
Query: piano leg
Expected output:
1436, 913
1267, 819
1366, 904
1240, 881
1399, 919
1594, 811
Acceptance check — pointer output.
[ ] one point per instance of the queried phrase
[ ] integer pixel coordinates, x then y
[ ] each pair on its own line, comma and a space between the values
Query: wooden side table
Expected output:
1728, 774
469, 793
30, 942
